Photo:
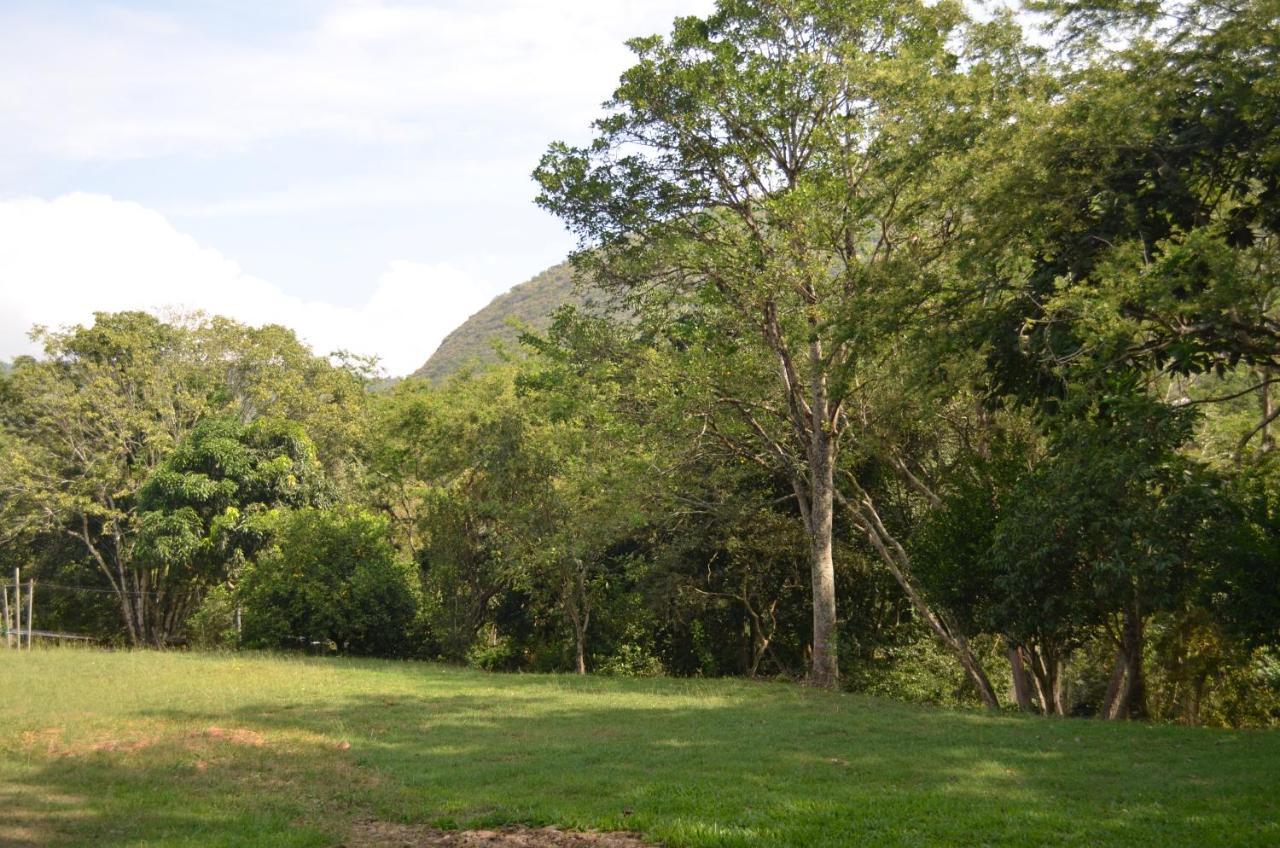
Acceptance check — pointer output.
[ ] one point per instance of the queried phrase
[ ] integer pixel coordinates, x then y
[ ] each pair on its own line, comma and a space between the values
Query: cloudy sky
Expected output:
356, 170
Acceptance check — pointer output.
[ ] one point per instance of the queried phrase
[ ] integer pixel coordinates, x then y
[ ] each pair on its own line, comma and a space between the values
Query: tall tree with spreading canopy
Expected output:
108, 404
781, 171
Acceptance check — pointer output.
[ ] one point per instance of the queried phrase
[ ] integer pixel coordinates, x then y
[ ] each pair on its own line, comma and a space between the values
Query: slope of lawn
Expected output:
144, 748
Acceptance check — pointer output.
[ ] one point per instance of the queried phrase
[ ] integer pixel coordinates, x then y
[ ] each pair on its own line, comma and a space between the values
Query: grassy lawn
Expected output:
139, 749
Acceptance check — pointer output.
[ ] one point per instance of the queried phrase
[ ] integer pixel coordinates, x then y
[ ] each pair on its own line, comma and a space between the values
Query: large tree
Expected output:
782, 173
107, 404
201, 513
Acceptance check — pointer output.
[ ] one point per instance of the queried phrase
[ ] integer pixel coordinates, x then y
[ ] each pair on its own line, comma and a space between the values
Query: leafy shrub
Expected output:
919, 670
632, 660
332, 576
494, 653
213, 624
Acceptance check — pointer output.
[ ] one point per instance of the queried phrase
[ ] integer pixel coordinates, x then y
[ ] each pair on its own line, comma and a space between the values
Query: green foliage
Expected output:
213, 625
202, 512
917, 670
498, 653
108, 409
632, 656
887, 307
1111, 516
331, 577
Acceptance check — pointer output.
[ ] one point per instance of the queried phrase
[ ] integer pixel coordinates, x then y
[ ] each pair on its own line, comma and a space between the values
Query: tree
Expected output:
595, 494
777, 172
1129, 248
1135, 220
455, 469
332, 576
1109, 528
200, 514
108, 403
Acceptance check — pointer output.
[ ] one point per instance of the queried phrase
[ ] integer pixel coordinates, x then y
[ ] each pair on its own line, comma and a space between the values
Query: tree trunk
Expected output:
1134, 677
580, 615
760, 639
1127, 692
977, 674
895, 558
1045, 672
826, 669
118, 579
1021, 684
1111, 699
1194, 697
580, 646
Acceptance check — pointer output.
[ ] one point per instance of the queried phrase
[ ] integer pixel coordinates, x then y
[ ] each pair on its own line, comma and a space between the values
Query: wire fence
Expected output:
17, 613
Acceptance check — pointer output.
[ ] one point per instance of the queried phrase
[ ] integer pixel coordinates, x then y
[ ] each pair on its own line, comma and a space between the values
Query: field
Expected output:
114, 749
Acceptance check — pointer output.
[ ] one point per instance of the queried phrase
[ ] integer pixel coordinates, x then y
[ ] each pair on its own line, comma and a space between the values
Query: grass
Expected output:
137, 749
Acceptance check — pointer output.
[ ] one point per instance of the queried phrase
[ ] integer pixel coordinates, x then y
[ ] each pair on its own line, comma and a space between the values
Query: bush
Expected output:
332, 576
920, 671
492, 652
213, 625
632, 660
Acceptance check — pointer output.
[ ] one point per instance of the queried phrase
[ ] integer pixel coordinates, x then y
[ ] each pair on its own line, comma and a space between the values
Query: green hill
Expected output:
529, 304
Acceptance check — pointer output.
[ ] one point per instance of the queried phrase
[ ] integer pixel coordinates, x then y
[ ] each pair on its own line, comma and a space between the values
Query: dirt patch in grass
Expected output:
51, 741
116, 746
389, 835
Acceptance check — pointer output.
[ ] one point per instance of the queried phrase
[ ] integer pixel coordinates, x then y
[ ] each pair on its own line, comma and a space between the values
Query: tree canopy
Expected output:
915, 354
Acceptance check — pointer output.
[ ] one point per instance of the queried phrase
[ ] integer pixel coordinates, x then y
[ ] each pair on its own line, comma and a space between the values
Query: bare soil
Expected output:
388, 835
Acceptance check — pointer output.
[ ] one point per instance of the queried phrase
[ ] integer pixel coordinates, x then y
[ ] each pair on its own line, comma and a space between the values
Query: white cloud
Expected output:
347, 130
113, 85
63, 259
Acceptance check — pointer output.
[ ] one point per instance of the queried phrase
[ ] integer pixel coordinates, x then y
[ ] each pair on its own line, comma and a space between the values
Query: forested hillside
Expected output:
529, 305
944, 369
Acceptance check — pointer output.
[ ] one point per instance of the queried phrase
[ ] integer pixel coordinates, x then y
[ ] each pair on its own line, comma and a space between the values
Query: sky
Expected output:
358, 171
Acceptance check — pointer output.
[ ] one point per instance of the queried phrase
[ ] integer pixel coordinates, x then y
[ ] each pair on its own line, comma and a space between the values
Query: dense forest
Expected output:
939, 367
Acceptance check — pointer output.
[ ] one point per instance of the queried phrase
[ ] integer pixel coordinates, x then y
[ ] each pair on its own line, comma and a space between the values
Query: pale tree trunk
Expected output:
826, 666
1021, 682
580, 638
826, 670
1111, 699
119, 583
579, 615
760, 638
896, 559
1046, 671
760, 635
1126, 696
813, 423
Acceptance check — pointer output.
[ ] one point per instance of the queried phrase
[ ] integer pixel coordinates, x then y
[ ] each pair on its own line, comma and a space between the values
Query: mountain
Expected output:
530, 304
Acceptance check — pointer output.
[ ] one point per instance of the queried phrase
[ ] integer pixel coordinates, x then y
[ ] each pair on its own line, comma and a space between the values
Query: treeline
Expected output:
942, 369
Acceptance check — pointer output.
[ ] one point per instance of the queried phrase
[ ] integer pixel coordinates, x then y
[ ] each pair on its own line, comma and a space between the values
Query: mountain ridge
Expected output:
529, 305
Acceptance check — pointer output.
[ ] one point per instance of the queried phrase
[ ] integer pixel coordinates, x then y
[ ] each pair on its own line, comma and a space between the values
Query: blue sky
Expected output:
356, 170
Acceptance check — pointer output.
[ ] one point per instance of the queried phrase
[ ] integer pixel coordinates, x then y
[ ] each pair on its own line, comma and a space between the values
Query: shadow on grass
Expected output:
745, 766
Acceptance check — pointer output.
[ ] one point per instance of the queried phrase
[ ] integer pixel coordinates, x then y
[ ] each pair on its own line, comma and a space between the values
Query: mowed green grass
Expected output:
113, 749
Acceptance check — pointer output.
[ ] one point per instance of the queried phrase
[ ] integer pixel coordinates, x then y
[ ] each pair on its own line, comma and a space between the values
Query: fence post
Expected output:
8, 633
31, 608
17, 604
